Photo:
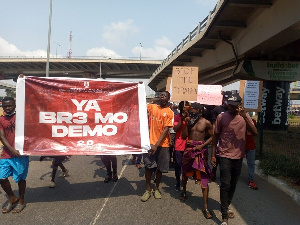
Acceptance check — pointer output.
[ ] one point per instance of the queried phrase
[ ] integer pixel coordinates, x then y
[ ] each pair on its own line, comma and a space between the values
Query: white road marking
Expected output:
98, 214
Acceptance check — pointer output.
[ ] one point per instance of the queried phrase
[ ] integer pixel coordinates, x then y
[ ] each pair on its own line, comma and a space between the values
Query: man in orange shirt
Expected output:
157, 159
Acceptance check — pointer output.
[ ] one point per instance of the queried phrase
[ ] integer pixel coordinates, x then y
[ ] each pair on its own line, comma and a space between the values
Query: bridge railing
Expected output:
81, 57
4, 85
192, 35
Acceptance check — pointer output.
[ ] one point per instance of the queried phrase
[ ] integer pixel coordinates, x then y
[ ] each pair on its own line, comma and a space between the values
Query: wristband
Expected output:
213, 157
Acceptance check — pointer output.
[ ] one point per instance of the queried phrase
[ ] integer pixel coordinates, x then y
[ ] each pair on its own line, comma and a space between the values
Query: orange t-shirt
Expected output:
159, 119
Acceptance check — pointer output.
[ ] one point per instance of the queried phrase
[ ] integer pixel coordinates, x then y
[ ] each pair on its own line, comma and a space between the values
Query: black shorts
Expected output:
57, 160
160, 159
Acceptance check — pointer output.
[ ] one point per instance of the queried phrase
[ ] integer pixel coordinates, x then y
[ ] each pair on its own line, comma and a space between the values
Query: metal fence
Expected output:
284, 142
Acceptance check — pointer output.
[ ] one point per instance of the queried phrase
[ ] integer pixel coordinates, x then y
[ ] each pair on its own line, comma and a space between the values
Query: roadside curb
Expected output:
281, 185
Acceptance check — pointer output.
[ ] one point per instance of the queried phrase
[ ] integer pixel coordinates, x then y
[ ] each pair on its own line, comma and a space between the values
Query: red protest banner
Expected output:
67, 116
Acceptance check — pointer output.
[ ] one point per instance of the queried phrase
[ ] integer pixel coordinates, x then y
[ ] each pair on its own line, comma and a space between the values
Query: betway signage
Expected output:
271, 70
275, 104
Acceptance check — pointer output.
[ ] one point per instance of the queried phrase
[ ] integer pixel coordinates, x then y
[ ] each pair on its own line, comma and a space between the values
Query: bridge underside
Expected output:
81, 68
237, 30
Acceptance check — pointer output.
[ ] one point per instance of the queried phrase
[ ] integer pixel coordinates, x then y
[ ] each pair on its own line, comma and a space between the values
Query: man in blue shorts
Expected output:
11, 163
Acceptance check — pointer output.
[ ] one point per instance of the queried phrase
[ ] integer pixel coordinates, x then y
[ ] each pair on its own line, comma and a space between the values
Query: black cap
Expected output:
196, 105
234, 99
226, 94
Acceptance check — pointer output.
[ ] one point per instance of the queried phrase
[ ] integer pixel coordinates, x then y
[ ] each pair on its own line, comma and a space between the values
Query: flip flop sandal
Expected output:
230, 214
207, 214
18, 208
8, 207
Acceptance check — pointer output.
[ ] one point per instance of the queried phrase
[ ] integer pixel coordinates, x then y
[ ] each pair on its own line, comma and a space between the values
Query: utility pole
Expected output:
141, 46
56, 48
49, 37
70, 48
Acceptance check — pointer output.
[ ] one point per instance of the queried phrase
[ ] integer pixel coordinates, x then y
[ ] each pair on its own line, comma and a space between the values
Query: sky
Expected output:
132, 29
100, 28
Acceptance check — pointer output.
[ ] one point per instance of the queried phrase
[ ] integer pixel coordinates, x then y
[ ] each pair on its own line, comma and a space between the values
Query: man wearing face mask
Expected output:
195, 155
230, 131
158, 157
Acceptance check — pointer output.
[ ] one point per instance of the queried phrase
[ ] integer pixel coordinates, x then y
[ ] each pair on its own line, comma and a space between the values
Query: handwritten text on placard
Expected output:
184, 83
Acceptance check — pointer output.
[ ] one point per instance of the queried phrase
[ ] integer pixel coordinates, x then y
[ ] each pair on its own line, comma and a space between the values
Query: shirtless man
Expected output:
195, 155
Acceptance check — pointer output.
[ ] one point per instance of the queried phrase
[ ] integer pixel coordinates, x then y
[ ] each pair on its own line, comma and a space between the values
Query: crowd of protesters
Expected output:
180, 136
193, 133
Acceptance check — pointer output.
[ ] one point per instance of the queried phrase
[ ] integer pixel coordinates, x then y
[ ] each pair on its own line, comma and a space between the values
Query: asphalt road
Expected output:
83, 198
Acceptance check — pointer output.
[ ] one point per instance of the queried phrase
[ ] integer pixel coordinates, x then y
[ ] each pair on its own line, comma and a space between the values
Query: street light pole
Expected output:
141, 51
49, 37
56, 48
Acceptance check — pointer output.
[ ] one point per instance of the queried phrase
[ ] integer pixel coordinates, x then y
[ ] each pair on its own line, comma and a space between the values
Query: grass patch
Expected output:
278, 165
294, 119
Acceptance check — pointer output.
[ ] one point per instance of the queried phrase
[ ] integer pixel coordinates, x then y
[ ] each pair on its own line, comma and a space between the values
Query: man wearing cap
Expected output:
215, 112
230, 131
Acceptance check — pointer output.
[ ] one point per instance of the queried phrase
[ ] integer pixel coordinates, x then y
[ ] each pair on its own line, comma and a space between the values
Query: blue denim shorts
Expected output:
15, 167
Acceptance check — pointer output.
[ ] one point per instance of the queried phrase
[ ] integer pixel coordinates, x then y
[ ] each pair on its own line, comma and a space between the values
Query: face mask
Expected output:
13, 113
194, 117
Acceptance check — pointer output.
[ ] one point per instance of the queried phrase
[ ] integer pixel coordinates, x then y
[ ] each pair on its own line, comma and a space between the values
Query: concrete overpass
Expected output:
10, 68
4, 85
235, 31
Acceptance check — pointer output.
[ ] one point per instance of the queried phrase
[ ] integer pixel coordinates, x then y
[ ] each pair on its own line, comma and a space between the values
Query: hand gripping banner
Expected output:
71, 116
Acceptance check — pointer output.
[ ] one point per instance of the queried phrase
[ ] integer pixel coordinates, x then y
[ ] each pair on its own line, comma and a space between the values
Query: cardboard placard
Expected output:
168, 85
251, 93
184, 83
209, 94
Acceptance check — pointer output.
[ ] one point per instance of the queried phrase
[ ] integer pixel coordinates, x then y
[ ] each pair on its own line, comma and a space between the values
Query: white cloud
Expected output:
7, 49
116, 33
103, 52
162, 48
163, 42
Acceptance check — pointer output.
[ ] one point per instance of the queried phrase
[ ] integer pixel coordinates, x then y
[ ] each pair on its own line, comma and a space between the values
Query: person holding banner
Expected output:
12, 163
195, 156
57, 161
157, 159
230, 132
110, 162
136, 160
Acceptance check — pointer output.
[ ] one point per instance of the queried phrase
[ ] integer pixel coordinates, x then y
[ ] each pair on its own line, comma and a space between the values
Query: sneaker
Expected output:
52, 184
115, 178
138, 166
183, 196
107, 179
177, 187
252, 185
157, 194
146, 196
64, 174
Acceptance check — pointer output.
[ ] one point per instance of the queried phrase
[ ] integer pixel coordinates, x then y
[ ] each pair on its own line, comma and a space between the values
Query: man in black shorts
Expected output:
161, 119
